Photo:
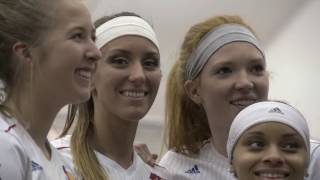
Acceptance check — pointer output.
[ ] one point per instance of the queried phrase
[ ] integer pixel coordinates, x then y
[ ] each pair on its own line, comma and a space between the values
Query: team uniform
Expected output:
314, 166
22, 159
210, 164
137, 171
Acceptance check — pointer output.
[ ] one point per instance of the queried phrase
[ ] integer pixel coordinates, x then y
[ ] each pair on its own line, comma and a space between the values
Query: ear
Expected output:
193, 91
22, 51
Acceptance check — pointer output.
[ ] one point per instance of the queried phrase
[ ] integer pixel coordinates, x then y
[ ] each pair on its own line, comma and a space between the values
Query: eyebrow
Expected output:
288, 135
120, 50
81, 28
153, 54
256, 133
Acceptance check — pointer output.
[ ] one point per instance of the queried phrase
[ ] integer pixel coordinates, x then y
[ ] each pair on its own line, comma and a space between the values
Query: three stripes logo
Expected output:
35, 166
275, 110
193, 170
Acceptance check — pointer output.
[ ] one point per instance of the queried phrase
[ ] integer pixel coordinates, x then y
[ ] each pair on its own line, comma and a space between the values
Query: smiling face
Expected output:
127, 78
270, 151
68, 55
233, 78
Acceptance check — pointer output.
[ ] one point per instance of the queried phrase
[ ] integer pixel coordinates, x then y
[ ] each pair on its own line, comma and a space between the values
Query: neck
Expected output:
36, 114
114, 138
219, 139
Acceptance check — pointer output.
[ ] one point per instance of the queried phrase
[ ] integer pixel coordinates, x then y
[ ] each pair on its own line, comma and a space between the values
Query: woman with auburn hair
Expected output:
46, 62
125, 85
221, 69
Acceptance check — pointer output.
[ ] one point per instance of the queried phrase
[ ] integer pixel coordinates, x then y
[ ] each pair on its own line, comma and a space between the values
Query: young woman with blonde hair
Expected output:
221, 69
46, 62
125, 85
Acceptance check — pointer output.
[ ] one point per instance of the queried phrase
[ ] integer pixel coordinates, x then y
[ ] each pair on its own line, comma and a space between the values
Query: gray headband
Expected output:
214, 40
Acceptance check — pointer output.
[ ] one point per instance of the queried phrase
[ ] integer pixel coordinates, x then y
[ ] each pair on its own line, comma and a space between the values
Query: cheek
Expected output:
155, 79
211, 90
299, 160
263, 86
243, 161
102, 82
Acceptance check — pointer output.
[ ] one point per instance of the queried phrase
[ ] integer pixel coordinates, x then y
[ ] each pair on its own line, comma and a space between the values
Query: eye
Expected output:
151, 63
290, 147
77, 36
256, 145
119, 61
223, 71
258, 69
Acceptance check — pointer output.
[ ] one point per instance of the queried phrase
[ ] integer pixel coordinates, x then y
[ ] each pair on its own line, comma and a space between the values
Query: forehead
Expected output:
234, 52
130, 43
271, 129
72, 12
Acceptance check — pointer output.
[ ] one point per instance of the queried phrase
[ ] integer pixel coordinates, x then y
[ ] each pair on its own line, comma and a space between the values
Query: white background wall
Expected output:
294, 62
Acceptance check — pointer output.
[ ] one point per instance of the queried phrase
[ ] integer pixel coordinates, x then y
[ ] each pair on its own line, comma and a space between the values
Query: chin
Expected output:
135, 116
81, 97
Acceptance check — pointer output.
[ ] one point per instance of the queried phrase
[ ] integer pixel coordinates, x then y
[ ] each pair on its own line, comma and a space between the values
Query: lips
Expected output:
84, 73
272, 174
243, 102
134, 93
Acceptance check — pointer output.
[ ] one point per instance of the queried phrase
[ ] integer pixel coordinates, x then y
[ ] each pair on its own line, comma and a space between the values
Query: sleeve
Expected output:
314, 166
13, 161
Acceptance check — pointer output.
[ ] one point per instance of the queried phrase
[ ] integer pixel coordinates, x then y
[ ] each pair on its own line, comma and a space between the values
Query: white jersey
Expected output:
22, 159
137, 171
314, 166
210, 164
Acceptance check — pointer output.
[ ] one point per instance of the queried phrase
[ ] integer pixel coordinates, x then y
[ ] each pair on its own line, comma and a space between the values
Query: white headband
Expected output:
213, 41
267, 111
124, 25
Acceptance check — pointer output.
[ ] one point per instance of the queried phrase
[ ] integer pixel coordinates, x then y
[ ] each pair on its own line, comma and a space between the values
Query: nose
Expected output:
93, 53
273, 156
137, 74
244, 81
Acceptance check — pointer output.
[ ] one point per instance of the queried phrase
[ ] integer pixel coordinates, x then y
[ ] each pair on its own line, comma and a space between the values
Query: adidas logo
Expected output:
194, 170
35, 166
275, 110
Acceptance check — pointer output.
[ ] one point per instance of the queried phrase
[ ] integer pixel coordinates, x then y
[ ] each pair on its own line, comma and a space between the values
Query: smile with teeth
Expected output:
272, 175
85, 74
134, 93
243, 102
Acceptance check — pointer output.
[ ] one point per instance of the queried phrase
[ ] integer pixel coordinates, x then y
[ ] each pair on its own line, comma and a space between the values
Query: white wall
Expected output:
294, 62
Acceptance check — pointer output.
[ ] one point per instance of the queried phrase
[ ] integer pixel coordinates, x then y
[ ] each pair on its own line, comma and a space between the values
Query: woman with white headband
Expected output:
124, 88
269, 140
